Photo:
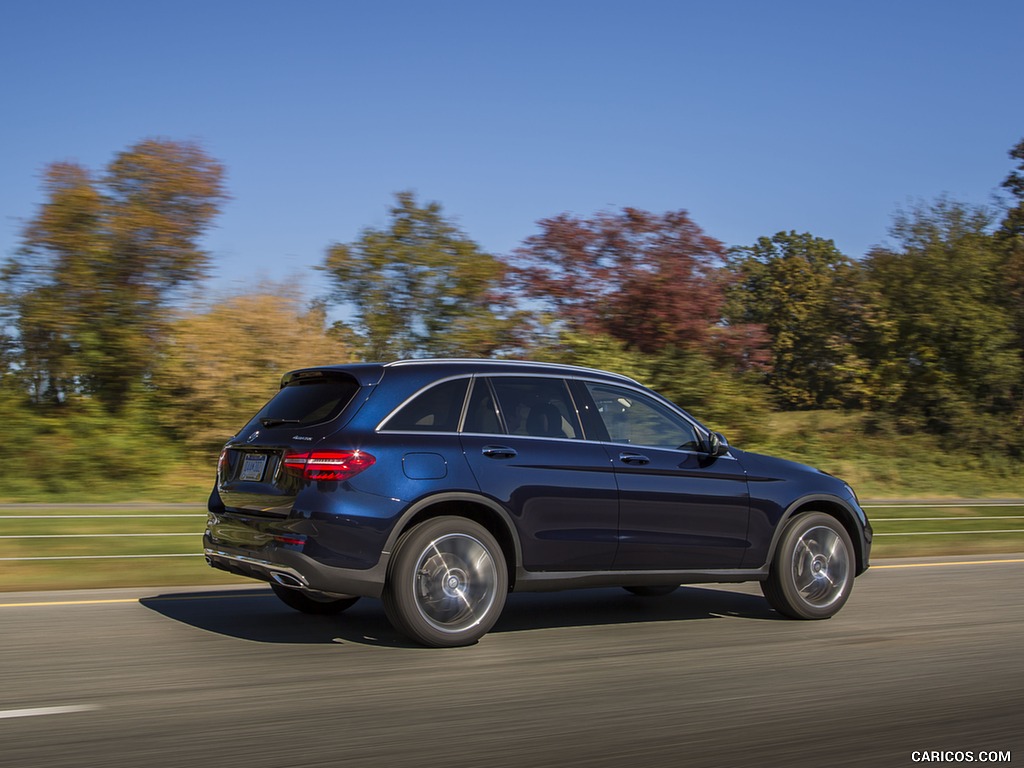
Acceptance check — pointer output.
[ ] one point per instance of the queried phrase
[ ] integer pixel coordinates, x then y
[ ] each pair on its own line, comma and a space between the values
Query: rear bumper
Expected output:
294, 569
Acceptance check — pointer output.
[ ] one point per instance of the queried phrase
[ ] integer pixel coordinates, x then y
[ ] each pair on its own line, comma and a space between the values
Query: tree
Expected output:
808, 297
101, 261
649, 280
220, 365
942, 289
1011, 238
419, 286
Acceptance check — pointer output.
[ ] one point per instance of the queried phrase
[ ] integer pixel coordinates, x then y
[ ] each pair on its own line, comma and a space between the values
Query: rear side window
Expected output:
437, 409
304, 401
536, 406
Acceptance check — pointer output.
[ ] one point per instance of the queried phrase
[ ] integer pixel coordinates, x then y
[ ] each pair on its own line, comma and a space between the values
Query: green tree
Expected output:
416, 287
101, 261
808, 297
1011, 238
943, 290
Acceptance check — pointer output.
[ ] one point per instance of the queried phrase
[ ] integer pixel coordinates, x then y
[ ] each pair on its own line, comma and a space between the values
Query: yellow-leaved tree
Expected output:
222, 363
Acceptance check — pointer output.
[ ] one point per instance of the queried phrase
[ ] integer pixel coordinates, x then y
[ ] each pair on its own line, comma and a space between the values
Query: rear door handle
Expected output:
498, 452
633, 458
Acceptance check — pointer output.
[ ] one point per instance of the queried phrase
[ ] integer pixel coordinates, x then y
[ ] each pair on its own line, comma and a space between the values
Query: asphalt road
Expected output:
923, 658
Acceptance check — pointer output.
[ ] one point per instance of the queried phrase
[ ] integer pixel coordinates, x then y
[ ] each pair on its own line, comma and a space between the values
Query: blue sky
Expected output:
753, 116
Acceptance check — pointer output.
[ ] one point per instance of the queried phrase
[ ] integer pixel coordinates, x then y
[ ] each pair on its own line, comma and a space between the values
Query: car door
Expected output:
680, 508
523, 440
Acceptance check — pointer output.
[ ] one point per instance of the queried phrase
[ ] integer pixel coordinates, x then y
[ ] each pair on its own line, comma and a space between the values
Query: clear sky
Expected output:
754, 116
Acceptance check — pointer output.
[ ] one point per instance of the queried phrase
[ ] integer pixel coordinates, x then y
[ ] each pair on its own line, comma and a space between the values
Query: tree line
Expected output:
925, 333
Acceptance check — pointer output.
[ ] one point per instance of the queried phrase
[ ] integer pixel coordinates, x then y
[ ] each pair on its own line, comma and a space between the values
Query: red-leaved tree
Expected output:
652, 281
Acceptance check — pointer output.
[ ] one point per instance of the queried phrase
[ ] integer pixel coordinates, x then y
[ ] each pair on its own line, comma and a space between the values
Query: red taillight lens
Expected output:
328, 465
222, 464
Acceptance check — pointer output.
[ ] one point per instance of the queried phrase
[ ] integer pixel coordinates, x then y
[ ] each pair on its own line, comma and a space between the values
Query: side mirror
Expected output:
717, 444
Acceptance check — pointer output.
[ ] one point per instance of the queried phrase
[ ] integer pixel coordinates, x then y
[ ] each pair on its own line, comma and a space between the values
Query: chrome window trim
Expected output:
380, 428
623, 382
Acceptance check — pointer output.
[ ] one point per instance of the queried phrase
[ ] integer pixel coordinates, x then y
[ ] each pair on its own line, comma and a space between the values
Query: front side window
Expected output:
634, 419
534, 406
437, 409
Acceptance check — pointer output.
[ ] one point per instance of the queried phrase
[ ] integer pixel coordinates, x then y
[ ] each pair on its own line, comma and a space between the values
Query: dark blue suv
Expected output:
441, 485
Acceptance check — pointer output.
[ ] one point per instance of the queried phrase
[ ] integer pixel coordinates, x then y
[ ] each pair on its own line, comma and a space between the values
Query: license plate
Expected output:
253, 466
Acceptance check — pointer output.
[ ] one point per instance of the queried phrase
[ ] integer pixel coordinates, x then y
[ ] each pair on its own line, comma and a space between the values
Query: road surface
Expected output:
926, 657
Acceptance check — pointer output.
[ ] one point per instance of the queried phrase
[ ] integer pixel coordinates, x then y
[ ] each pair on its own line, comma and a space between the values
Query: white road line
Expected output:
7, 714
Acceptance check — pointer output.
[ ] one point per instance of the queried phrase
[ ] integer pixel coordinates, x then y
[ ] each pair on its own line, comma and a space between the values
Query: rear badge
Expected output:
302, 437
253, 436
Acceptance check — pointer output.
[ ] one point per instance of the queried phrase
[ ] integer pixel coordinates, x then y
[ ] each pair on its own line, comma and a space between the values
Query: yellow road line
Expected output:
114, 601
936, 565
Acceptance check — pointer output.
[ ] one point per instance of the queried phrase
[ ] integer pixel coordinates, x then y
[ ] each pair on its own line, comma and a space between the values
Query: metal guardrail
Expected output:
870, 505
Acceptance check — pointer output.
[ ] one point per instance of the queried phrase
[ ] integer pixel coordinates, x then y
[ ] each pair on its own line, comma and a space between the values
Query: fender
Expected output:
461, 497
830, 504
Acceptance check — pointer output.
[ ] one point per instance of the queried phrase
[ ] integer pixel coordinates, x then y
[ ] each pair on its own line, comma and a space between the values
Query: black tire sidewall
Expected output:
399, 601
780, 589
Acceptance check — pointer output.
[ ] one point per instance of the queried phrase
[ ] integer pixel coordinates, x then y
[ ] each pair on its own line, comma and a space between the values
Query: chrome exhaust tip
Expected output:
286, 580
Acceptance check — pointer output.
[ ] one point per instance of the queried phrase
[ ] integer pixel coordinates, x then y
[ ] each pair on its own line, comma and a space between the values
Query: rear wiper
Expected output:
268, 422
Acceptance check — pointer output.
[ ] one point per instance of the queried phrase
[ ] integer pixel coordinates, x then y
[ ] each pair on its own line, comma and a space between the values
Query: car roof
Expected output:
368, 374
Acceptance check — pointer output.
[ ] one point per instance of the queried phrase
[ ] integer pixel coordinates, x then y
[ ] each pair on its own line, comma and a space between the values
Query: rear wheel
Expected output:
447, 582
312, 602
655, 591
812, 574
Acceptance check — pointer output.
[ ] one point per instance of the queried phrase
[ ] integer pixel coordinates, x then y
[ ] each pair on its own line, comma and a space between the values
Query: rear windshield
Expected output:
306, 401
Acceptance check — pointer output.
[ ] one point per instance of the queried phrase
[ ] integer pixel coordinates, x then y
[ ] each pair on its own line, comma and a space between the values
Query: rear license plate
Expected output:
253, 466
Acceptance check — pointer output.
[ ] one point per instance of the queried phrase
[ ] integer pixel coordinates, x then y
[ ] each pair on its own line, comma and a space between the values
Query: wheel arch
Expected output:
833, 506
480, 509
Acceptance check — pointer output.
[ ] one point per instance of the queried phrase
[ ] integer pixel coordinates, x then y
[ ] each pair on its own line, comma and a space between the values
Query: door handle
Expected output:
633, 458
498, 452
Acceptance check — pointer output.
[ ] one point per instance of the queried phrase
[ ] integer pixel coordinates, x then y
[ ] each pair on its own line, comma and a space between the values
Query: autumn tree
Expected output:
416, 287
220, 364
101, 261
808, 297
642, 278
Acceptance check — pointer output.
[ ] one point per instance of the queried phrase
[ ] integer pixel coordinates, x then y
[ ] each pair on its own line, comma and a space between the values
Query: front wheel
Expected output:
447, 582
812, 573
312, 602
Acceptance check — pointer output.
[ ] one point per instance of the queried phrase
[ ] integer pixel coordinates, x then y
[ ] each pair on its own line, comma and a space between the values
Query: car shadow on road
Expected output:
257, 615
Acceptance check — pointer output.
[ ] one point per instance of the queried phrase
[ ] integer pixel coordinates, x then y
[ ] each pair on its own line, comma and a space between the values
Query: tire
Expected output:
811, 575
655, 591
447, 583
312, 602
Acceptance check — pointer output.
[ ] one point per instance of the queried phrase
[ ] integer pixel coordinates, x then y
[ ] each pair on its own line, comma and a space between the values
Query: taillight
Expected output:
328, 465
222, 464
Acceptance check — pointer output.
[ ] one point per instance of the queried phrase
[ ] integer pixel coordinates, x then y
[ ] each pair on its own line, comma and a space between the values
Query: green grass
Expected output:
881, 463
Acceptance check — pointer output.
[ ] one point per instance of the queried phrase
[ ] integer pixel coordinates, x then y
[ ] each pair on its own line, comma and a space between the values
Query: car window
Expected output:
482, 413
536, 406
636, 419
434, 410
307, 400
